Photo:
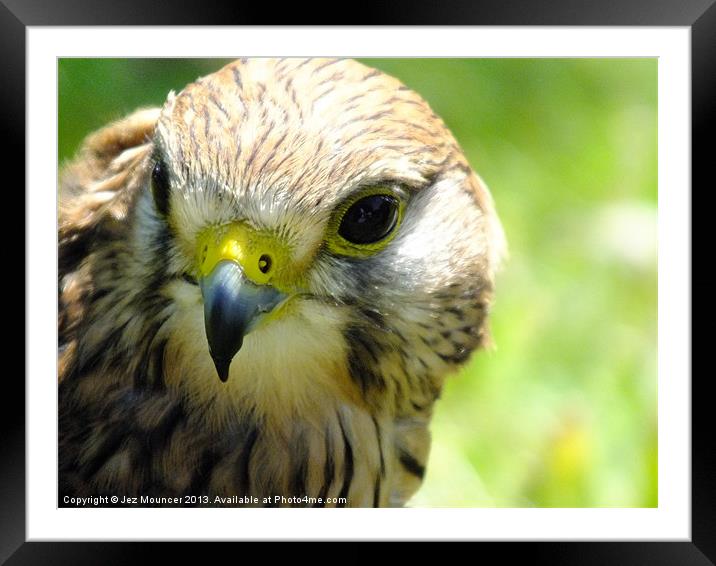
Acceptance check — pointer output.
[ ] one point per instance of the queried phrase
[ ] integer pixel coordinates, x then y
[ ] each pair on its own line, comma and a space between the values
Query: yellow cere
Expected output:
263, 258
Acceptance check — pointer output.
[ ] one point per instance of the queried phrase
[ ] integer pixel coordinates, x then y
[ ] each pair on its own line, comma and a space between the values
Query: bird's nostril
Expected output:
265, 263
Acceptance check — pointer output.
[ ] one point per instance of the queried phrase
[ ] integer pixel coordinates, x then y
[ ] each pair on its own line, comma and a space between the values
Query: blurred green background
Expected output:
563, 411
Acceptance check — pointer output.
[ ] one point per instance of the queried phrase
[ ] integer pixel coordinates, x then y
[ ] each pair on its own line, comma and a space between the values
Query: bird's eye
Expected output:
364, 225
160, 187
369, 219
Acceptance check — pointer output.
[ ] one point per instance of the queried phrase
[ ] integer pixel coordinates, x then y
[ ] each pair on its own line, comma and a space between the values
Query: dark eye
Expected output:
160, 187
369, 219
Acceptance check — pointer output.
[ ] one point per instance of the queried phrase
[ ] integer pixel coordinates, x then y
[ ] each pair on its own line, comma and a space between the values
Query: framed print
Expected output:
266, 272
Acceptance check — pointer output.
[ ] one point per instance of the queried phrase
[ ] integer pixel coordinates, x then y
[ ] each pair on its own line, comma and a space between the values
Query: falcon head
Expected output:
283, 233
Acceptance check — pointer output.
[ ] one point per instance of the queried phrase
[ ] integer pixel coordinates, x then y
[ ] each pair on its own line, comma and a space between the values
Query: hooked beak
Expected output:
232, 306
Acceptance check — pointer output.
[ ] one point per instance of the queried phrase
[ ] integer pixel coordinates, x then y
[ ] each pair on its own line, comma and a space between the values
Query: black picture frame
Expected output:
699, 15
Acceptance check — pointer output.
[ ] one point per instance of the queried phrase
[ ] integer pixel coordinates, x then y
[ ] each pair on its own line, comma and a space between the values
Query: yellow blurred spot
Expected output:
571, 453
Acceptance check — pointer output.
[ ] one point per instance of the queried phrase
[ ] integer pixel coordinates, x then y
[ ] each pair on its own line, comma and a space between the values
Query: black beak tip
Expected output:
231, 305
222, 368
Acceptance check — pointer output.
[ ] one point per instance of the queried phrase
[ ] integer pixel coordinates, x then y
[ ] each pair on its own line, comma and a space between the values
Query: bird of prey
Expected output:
262, 286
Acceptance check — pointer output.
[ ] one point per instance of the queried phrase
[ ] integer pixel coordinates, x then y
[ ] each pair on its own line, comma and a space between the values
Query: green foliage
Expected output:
562, 412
